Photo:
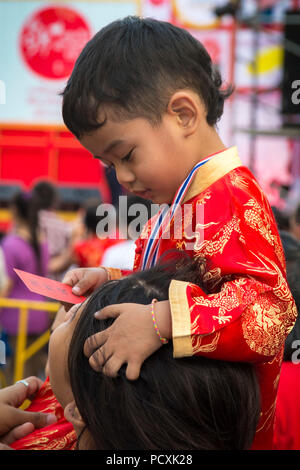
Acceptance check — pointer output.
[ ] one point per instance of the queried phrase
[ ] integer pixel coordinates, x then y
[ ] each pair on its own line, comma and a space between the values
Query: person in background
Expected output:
287, 417
295, 223
282, 219
25, 249
121, 255
56, 231
89, 242
89, 251
3, 275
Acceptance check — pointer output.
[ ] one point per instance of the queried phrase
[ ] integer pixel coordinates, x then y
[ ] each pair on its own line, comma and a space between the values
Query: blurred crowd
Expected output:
41, 241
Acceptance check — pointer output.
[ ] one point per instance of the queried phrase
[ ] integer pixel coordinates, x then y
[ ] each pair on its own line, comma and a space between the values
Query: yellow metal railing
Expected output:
23, 353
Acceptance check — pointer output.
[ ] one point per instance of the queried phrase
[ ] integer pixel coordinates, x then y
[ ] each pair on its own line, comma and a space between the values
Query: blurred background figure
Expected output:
287, 423
121, 255
56, 231
90, 239
26, 249
3, 275
282, 219
295, 223
89, 251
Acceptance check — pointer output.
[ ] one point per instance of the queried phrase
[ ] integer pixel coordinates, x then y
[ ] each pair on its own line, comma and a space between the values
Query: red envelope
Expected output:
49, 288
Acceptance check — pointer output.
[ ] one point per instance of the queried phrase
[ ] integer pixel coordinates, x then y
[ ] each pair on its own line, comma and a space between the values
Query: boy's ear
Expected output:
73, 416
187, 109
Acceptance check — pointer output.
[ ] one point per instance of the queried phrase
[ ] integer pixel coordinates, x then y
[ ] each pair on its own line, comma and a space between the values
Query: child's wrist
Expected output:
112, 273
107, 273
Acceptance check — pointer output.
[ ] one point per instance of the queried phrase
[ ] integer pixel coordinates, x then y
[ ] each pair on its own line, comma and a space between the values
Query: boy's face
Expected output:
149, 161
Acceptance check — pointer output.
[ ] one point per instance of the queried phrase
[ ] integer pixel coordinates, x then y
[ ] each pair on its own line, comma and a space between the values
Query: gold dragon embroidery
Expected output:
267, 322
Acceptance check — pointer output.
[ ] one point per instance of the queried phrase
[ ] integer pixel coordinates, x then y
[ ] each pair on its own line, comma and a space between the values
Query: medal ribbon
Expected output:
164, 217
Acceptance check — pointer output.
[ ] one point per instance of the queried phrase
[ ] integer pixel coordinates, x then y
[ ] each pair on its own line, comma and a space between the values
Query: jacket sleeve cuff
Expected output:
181, 319
113, 273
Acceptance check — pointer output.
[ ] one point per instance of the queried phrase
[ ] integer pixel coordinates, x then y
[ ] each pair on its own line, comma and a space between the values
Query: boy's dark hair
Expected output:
189, 403
132, 67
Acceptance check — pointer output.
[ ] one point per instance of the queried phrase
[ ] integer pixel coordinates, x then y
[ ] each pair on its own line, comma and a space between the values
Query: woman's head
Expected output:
188, 403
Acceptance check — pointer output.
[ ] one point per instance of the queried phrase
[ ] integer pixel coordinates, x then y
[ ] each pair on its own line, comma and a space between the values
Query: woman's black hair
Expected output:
188, 403
27, 207
132, 66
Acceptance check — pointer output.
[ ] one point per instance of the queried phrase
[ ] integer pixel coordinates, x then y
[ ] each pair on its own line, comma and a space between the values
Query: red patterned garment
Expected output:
89, 253
58, 436
248, 310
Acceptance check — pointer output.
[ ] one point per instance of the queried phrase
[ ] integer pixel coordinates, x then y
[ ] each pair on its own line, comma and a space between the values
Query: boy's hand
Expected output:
84, 281
131, 338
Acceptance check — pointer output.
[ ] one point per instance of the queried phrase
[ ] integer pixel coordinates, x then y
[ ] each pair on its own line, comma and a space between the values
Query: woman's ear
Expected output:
73, 416
187, 110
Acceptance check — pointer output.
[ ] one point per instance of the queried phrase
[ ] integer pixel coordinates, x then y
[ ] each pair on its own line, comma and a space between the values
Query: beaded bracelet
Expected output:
107, 272
163, 340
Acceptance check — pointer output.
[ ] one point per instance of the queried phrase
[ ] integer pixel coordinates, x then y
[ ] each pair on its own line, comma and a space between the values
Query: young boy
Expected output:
145, 98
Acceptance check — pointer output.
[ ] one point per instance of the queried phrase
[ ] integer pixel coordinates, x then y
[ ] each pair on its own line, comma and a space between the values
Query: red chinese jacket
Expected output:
249, 309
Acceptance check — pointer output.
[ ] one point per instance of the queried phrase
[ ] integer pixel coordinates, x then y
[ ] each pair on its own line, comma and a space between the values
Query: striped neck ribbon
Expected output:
164, 218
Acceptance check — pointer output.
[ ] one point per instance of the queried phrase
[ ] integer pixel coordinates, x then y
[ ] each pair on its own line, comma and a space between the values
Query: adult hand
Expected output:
130, 339
14, 422
84, 281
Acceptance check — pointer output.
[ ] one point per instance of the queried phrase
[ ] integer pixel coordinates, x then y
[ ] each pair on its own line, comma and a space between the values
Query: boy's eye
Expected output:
127, 157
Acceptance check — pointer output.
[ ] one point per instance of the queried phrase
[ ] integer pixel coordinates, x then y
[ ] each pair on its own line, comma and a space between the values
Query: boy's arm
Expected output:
246, 321
247, 310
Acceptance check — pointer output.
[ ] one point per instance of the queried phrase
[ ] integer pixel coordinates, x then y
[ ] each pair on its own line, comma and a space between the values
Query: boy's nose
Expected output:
124, 176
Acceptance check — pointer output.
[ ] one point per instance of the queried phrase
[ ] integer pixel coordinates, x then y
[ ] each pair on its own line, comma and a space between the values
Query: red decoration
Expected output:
51, 40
